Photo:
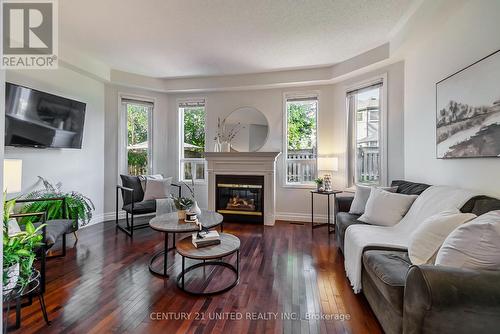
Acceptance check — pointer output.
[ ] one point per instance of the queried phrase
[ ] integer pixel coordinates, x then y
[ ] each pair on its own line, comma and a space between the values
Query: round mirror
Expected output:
251, 129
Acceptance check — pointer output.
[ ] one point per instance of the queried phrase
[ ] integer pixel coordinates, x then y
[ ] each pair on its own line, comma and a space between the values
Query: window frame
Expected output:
181, 159
286, 97
350, 166
122, 133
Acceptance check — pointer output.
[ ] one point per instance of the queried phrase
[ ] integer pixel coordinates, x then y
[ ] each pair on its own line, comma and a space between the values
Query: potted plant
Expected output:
319, 183
194, 208
19, 251
182, 204
77, 204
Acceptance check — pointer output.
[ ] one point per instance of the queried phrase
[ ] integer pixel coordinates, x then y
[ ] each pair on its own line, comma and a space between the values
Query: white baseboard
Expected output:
302, 217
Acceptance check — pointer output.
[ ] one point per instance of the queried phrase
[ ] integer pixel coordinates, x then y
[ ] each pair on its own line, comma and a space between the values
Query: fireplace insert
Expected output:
240, 198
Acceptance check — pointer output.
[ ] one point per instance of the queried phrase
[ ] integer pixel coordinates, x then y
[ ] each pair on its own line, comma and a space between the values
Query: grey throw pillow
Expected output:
156, 189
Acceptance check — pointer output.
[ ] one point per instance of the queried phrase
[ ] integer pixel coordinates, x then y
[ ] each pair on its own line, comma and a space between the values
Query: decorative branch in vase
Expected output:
224, 137
194, 207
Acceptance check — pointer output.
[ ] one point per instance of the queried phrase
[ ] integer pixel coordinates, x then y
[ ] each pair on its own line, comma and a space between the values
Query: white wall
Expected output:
294, 203
470, 33
78, 169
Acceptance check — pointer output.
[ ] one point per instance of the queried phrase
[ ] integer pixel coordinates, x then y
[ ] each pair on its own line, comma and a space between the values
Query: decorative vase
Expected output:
12, 274
225, 147
195, 208
327, 182
181, 214
217, 145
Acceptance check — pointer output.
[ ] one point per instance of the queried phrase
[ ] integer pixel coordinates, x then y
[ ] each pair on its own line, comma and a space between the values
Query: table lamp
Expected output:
12, 175
328, 164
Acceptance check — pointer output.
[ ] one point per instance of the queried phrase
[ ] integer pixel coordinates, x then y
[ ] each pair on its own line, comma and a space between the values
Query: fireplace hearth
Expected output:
240, 198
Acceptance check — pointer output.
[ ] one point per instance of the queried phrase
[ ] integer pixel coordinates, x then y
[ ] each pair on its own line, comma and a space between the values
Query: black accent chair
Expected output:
133, 204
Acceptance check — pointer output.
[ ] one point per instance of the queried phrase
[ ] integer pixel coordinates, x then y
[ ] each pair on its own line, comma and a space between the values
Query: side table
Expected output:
328, 194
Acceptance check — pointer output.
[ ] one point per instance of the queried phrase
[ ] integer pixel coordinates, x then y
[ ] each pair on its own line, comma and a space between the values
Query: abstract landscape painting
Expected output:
468, 111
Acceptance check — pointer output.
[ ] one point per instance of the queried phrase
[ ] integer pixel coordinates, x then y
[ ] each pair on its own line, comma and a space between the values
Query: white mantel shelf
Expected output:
245, 163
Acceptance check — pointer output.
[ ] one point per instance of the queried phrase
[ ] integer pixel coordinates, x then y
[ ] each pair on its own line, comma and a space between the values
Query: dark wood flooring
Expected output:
292, 281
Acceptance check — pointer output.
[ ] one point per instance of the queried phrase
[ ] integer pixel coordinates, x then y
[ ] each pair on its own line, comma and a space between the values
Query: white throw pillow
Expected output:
144, 178
474, 245
385, 208
361, 197
431, 233
156, 189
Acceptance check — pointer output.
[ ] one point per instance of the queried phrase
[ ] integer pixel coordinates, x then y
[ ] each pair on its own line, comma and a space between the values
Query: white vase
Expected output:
217, 145
13, 277
195, 208
225, 147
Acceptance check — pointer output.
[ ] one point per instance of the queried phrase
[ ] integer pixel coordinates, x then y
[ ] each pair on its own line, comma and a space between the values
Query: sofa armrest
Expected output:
439, 299
344, 203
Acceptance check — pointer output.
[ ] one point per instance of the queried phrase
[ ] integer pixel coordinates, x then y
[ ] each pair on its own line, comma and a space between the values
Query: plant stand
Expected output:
17, 293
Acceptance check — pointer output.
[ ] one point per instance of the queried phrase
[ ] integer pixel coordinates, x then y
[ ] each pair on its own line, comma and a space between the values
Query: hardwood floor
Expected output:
289, 278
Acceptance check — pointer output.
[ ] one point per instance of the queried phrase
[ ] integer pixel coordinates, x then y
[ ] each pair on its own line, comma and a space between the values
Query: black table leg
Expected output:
312, 211
328, 202
44, 309
166, 254
183, 267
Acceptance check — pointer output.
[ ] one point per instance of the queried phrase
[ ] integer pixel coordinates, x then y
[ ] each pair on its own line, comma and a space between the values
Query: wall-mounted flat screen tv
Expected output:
37, 119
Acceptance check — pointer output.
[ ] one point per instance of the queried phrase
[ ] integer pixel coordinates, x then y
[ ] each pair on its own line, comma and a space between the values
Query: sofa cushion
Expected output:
387, 270
479, 205
344, 220
409, 188
141, 207
56, 228
132, 182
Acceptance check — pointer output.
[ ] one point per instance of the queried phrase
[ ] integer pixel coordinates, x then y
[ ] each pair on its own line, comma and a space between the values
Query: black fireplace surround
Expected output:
240, 198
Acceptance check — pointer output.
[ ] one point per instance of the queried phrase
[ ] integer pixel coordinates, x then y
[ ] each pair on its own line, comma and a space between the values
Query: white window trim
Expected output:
297, 95
122, 132
180, 136
350, 184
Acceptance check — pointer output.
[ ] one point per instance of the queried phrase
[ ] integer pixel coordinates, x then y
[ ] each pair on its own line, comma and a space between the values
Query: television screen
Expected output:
37, 119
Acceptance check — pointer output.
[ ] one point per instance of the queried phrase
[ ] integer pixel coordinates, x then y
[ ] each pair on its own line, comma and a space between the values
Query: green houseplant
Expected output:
319, 183
76, 204
182, 204
19, 250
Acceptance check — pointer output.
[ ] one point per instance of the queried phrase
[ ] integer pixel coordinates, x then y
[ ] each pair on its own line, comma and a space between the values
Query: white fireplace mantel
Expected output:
245, 163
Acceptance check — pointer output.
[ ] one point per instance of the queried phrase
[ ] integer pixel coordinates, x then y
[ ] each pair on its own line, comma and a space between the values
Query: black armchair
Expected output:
56, 228
133, 203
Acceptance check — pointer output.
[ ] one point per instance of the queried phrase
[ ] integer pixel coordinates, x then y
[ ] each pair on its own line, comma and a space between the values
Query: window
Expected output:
192, 138
365, 154
138, 136
301, 141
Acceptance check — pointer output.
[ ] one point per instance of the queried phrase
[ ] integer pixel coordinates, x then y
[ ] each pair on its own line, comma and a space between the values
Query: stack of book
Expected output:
203, 239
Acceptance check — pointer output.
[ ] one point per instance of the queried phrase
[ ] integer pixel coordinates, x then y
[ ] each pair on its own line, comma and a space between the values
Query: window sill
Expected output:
299, 186
196, 183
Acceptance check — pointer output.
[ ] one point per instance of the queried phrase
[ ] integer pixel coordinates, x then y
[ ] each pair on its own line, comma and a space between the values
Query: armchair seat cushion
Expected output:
141, 207
56, 228
387, 270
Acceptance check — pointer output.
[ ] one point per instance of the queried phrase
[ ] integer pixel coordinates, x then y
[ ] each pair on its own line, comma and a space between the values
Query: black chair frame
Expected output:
65, 216
130, 227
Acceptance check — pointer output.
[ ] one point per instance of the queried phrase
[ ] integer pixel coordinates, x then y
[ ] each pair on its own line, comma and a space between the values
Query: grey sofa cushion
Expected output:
480, 205
141, 207
132, 182
387, 269
344, 220
409, 188
56, 228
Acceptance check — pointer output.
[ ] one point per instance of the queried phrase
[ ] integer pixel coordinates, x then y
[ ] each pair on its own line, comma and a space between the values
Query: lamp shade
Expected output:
12, 175
330, 164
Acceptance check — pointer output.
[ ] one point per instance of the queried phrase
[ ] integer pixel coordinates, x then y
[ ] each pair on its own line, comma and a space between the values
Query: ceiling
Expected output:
188, 38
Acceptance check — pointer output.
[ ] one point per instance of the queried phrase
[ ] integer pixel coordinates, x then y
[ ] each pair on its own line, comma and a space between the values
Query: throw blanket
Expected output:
433, 200
165, 205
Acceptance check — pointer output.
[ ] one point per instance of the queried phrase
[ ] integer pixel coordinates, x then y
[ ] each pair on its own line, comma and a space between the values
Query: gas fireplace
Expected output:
240, 198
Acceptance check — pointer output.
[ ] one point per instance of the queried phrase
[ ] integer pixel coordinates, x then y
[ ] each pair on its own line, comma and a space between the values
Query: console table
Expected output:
328, 194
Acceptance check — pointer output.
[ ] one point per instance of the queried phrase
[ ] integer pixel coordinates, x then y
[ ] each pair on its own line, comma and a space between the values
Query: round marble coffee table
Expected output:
229, 244
170, 223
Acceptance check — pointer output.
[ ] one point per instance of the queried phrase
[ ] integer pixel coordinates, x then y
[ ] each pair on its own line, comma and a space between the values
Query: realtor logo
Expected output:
29, 34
